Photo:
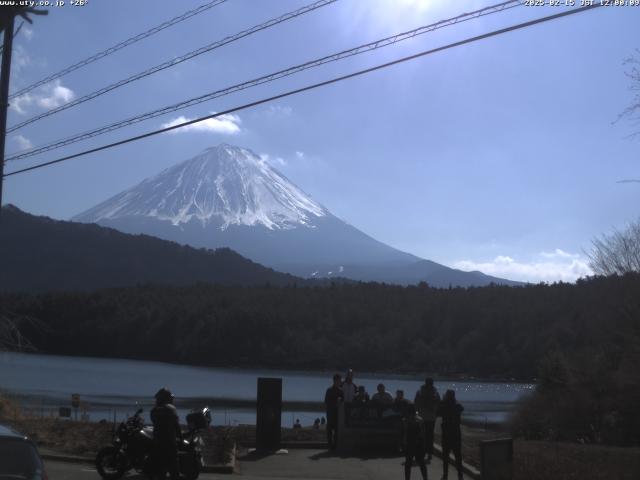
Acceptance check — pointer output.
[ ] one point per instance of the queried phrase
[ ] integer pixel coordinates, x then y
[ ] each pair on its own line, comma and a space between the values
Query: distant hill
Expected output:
41, 254
227, 196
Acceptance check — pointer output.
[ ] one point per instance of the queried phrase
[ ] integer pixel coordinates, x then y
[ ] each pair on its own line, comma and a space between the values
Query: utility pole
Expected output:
5, 74
7, 17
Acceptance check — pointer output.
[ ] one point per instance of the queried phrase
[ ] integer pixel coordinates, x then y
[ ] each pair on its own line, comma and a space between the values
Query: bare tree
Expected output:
11, 337
617, 253
632, 112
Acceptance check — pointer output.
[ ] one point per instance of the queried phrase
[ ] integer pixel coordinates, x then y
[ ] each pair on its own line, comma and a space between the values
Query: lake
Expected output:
111, 387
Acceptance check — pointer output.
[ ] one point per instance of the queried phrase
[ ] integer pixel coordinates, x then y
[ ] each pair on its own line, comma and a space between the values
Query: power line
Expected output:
175, 61
119, 46
268, 78
313, 86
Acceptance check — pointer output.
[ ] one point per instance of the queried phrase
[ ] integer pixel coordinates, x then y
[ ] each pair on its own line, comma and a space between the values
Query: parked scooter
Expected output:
133, 445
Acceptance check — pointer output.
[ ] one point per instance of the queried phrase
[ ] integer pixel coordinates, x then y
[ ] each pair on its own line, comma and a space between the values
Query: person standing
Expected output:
400, 403
413, 440
382, 398
362, 397
332, 399
427, 400
451, 412
349, 389
166, 432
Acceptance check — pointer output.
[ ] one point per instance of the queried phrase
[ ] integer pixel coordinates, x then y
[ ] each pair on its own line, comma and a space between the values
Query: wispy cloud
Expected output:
19, 59
22, 142
279, 111
557, 265
27, 32
274, 161
21, 104
49, 96
281, 162
559, 253
228, 124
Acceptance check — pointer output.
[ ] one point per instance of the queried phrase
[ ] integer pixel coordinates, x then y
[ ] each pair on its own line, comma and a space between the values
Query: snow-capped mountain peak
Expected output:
224, 185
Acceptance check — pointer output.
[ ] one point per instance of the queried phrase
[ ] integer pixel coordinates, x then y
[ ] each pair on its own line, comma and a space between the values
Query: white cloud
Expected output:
546, 267
300, 155
54, 95
22, 142
228, 124
49, 96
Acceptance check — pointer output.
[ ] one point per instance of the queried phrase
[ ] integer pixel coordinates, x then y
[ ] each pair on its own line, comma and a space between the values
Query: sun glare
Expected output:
392, 15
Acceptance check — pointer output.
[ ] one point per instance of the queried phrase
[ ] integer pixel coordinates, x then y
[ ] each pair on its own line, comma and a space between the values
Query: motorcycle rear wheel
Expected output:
189, 467
111, 463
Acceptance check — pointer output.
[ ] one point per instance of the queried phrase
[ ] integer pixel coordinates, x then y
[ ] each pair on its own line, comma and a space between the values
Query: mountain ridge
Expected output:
42, 254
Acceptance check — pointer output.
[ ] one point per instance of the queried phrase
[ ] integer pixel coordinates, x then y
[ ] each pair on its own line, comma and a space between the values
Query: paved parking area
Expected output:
320, 464
303, 464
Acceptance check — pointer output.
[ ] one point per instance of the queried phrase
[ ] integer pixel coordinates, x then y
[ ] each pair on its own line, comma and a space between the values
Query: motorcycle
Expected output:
132, 448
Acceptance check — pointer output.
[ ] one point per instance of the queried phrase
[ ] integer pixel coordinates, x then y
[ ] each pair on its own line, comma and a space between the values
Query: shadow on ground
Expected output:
359, 455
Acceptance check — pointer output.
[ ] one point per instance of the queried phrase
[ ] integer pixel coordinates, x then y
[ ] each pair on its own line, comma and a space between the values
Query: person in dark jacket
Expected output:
400, 403
166, 432
332, 398
427, 400
362, 397
451, 412
413, 440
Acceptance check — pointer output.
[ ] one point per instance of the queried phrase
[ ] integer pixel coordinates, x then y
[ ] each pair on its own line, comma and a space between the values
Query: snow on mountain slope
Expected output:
224, 185
228, 197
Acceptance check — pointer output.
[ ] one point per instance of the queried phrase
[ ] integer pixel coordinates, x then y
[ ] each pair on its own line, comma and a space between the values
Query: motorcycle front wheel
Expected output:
111, 463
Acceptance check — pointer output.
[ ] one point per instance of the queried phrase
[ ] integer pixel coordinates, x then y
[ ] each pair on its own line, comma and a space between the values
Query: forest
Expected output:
579, 342
496, 331
40, 254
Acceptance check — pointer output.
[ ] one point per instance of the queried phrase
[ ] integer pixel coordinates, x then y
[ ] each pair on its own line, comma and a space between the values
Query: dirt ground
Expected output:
532, 460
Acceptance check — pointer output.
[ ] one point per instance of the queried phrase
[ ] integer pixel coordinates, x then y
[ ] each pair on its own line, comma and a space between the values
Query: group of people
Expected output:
418, 419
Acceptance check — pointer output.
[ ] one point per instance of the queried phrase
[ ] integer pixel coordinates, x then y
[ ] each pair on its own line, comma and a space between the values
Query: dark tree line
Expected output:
487, 332
40, 254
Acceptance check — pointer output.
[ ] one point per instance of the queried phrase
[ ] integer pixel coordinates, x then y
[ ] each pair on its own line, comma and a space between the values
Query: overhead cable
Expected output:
312, 87
267, 78
119, 46
175, 61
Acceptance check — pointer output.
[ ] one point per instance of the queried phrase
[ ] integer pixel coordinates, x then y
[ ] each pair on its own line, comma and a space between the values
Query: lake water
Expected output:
112, 386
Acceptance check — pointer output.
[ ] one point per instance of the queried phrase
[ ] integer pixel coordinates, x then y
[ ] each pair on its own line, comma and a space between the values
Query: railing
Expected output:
369, 427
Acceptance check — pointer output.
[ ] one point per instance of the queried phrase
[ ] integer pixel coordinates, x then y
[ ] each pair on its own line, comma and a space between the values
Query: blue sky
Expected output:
501, 156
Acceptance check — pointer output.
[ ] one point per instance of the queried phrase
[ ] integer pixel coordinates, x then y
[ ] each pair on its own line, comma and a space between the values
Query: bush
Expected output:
590, 397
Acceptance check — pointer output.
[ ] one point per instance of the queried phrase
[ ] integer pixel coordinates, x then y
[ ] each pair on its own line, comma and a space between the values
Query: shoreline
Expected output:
388, 374
29, 407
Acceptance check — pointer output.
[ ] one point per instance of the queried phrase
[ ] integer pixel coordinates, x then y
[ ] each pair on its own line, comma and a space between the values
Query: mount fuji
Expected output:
228, 196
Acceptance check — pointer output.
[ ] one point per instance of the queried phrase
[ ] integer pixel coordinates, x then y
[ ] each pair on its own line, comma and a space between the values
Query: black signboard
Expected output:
268, 414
